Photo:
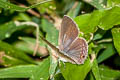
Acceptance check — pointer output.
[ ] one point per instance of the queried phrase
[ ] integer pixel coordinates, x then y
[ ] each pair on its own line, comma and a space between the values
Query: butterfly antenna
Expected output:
51, 45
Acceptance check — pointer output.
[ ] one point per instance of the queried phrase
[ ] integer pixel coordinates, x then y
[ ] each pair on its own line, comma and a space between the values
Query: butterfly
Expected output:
71, 48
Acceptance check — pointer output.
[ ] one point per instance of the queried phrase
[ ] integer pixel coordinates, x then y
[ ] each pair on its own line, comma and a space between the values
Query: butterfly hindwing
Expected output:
78, 50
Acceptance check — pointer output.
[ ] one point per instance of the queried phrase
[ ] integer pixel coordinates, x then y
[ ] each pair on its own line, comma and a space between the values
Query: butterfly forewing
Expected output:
68, 33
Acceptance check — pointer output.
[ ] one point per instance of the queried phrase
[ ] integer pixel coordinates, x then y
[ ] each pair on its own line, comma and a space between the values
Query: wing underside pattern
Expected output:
69, 43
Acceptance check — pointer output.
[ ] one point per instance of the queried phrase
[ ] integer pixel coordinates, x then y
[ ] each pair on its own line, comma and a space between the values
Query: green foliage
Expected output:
113, 19
95, 70
25, 71
7, 5
10, 53
99, 4
104, 55
97, 20
116, 38
88, 22
68, 70
107, 73
42, 71
52, 33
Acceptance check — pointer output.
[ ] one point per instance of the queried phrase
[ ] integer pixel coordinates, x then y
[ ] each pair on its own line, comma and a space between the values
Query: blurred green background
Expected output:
98, 22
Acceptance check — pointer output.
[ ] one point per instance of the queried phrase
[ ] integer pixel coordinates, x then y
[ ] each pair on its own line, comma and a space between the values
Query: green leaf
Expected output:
7, 60
52, 32
7, 5
59, 77
90, 76
75, 72
88, 37
73, 12
51, 36
42, 71
116, 38
97, 48
88, 22
27, 44
45, 8
111, 3
23, 16
99, 4
95, 70
90, 50
109, 74
26, 47
110, 18
99, 34
25, 71
108, 52
13, 52
10, 79
53, 65
7, 29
